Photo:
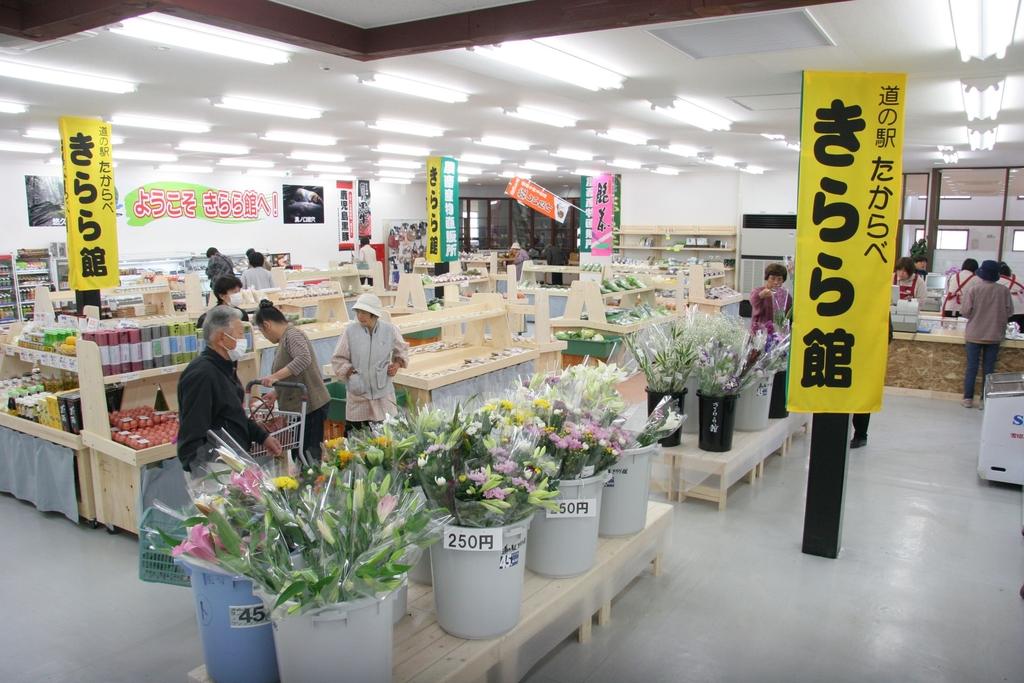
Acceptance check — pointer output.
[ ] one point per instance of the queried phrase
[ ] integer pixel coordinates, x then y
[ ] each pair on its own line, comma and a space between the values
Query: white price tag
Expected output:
248, 616
26, 356
479, 540
588, 471
168, 370
72, 364
130, 376
9, 350
67, 320
510, 555
583, 507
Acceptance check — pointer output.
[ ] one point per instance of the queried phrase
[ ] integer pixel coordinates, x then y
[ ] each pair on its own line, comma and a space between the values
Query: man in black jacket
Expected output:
210, 396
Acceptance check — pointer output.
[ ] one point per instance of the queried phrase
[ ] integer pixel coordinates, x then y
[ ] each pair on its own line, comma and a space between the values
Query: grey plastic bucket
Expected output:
420, 572
562, 546
400, 602
753, 406
624, 500
691, 425
349, 642
478, 593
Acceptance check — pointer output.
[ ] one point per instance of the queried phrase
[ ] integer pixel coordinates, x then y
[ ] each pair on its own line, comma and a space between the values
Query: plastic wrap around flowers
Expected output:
734, 358
321, 537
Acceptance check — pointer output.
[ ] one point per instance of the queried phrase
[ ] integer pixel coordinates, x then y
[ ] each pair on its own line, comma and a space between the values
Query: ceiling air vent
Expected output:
745, 35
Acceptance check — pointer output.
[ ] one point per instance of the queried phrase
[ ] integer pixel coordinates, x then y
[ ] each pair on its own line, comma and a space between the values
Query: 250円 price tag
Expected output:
584, 507
478, 540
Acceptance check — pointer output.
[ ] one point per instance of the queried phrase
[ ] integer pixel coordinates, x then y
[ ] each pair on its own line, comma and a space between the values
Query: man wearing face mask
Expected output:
210, 395
227, 291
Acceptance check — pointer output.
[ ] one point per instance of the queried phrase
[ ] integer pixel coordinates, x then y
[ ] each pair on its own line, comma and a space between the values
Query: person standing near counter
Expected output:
1009, 280
520, 256
256, 276
766, 301
910, 283
956, 286
987, 307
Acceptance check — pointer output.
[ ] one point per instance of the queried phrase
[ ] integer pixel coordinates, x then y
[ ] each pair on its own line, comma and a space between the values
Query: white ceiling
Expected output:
914, 36
373, 14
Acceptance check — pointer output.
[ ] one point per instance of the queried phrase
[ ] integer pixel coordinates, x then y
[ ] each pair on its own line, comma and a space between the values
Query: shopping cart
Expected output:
288, 427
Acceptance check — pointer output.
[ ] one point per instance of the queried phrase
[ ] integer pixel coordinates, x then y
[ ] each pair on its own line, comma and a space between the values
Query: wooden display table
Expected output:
585, 298
553, 609
719, 471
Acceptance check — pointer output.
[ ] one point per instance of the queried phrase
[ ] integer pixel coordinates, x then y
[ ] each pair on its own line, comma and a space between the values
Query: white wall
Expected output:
309, 245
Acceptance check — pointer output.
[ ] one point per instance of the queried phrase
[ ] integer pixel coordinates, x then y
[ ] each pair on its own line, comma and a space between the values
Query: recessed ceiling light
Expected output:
190, 35
627, 136
548, 118
71, 79
408, 86
211, 147
542, 58
724, 162
480, 158
983, 98
666, 170
775, 137
504, 143
575, 154
134, 155
159, 123
587, 172
185, 168
394, 181
625, 163
391, 173
470, 170
748, 168
694, 115
795, 146
310, 155
268, 172
408, 127
12, 107
408, 150
325, 168
242, 162
26, 147
300, 138
981, 139
540, 166
252, 104
399, 163
54, 134
983, 28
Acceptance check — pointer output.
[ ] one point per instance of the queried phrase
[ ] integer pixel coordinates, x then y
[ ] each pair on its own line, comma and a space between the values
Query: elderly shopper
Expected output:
987, 307
369, 354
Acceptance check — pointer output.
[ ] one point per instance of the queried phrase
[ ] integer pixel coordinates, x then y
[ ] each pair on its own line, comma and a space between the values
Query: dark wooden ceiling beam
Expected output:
49, 19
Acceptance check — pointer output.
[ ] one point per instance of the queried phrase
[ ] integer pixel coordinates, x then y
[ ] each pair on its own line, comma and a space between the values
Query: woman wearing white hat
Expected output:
521, 256
368, 355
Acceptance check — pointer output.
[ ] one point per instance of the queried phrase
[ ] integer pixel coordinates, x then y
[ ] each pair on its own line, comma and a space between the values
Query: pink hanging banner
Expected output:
602, 214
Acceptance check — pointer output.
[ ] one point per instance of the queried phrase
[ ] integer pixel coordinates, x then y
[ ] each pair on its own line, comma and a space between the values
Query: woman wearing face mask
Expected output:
368, 355
227, 291
295, 361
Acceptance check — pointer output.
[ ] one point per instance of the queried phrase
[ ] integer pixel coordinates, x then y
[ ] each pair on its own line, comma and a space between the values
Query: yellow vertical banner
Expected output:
850, 191
90, 203
433, 209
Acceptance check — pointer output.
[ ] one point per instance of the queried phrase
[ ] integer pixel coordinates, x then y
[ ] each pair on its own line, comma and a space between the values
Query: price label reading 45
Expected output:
248, 616
586, 507
480, 540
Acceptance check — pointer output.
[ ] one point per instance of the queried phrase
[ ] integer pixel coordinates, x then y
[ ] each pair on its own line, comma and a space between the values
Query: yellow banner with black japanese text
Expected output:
90, 203
851, 150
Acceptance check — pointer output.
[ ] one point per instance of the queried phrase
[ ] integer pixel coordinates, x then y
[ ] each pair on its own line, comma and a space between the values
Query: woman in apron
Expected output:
910, 283
1016, 287
956, 286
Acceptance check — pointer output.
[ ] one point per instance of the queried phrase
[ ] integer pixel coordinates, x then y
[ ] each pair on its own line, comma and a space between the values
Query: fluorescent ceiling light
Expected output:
983, 28
210, 147
982, 139
325, 168
950, 158
160, 28
464, 178
159, 123
627, 136
292, 111
625, 163
268, 172
71, 79
542, 58
390, 173
795, 146
694, 115
470, 170
310, 155
504, 143
407, 150
134, 155
983, 98
12, 107
408, 127
682, 150
184, 168
480, 158
54, 134
666, 170
26, 147
575, 154
57, 161
548, 118
394, 181
748, 168
775, 137
300, 138
587, 172
408, 86
399, 163
955, 197
724, 162
515, 174
243, 162
540, 166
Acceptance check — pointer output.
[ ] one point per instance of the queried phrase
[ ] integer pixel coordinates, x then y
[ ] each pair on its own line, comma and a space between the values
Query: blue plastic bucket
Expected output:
234, 625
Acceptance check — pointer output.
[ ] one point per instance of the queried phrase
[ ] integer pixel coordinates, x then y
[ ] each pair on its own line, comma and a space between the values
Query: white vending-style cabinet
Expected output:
1001, 452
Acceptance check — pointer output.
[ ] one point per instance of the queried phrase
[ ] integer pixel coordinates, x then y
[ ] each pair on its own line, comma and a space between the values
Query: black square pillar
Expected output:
826, 484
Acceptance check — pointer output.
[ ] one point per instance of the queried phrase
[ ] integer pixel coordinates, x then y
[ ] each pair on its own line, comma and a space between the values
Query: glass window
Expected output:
1018, 240
1015, 200
499, 238
476, 221
918, 234
952, 239
972, 194
915, 196
522, 224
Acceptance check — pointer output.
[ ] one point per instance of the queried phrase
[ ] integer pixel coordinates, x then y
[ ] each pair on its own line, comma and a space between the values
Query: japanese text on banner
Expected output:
442, 209
90, 203
602, 214
847, 214
586, 188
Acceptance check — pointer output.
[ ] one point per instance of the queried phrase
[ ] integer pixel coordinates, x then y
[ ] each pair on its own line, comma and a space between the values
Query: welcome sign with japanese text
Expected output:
442, 209
154, 201
847, 212
90, 203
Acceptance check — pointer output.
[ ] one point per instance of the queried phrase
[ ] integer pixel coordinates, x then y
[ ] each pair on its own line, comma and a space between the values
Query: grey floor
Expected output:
926, 588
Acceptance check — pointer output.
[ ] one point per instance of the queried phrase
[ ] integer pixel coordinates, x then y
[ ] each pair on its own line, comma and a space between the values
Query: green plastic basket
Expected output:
424, 334
336, 411
594, 349
156, 566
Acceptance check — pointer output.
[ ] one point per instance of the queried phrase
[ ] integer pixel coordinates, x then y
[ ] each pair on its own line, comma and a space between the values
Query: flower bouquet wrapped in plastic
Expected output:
662, 421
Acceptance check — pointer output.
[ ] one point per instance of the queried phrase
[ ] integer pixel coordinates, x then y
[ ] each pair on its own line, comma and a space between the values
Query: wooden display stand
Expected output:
346, 276
661, 241
585, 297
530, 284
695, 292
330, 308
157, 299
550, 349
552, 610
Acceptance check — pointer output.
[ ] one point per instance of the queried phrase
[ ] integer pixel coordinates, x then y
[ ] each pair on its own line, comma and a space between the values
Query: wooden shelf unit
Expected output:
157, 299
672, 239
585, 297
